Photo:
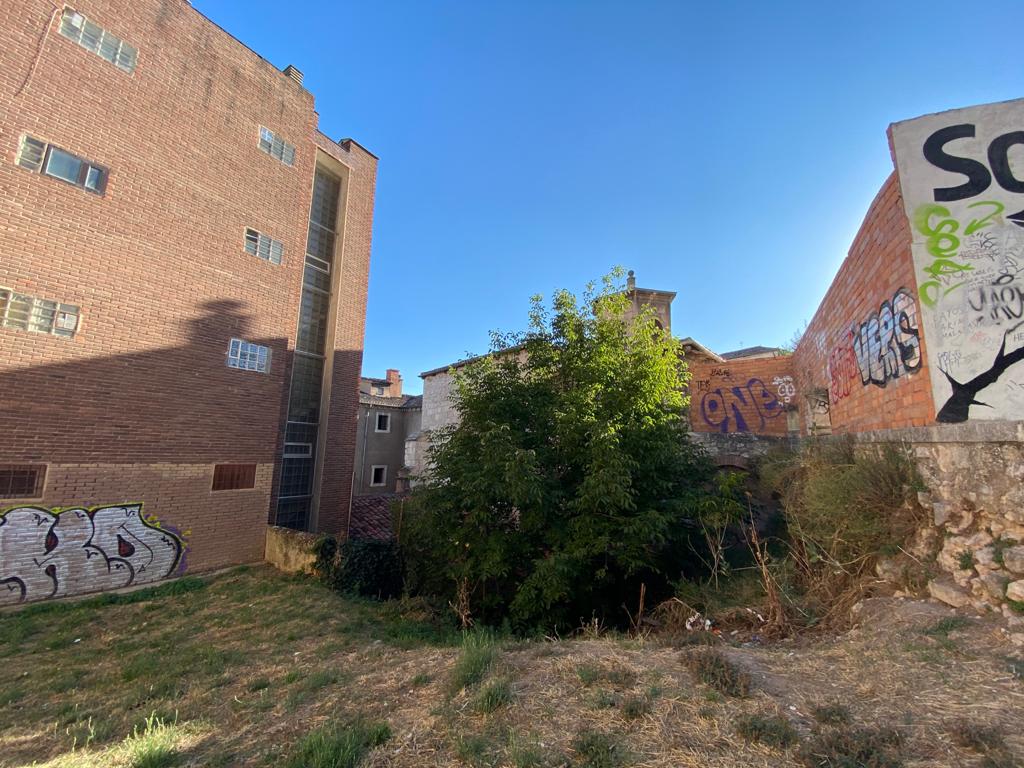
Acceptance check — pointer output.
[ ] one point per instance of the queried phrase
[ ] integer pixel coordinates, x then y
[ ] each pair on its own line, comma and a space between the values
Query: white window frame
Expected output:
275, 146
297, 450
244, 355
263, 246
376, 421
40, 315
384, 477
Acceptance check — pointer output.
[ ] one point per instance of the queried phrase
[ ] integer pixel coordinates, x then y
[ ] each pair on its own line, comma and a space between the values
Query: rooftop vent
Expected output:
293, 73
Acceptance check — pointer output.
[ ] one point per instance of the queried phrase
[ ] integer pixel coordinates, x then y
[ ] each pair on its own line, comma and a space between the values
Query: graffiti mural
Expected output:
960, 177
53, 553
887, 344
728, 409
784, 387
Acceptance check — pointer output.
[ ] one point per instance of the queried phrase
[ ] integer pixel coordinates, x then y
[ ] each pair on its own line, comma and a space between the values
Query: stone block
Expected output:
948, 593
1013, 559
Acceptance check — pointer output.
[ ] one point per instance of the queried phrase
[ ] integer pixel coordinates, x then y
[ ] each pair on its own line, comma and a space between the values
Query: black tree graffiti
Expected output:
958, 406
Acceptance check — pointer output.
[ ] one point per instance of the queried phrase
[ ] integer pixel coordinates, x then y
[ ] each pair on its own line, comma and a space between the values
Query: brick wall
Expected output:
861, 363
742, 396
139, 405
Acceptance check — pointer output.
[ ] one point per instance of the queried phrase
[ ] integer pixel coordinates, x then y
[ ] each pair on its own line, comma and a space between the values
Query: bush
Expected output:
717, 671
479, 652
844, 509
861, 748
773, 730
364, 567
569, 478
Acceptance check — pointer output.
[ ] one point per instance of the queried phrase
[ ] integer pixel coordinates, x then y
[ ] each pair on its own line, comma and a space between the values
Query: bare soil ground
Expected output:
240, 668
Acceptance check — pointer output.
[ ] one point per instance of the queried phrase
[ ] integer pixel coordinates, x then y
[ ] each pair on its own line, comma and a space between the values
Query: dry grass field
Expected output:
252, 668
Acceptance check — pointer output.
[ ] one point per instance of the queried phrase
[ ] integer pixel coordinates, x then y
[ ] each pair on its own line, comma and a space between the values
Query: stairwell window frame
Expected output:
82, 30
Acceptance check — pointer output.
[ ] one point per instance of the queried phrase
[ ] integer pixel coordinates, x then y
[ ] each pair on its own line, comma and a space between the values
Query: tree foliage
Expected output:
569, 478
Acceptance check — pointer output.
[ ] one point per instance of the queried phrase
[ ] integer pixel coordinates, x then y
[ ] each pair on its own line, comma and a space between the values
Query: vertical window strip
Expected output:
94, 38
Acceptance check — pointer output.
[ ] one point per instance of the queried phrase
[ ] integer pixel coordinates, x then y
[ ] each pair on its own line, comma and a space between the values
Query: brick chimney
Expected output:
394, 383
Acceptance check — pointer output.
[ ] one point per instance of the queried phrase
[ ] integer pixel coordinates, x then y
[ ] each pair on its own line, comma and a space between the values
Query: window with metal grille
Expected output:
277, 147
247, 356
22, 481
28, 313
233, 477
383, 422
41, 157
378, 474
265, 247
93, 37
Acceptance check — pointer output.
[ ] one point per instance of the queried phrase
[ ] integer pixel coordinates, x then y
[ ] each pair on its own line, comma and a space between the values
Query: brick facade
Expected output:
862, 358
139, 405
755, 396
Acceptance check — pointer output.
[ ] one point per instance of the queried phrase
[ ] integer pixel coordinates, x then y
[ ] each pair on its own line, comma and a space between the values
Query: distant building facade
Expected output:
387, 420
182, 298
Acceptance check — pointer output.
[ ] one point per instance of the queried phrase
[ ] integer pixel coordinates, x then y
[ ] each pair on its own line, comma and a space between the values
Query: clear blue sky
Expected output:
727, 151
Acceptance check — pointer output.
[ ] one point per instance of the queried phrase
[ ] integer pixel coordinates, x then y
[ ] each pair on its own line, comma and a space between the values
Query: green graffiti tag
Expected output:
943, 243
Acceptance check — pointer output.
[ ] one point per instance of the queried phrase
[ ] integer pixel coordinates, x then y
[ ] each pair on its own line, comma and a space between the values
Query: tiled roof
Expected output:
371, 517
405, 401
748, 352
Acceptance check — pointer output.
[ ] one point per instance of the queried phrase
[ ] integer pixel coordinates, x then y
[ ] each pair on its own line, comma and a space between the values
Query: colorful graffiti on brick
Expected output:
734, 409
966, 214
46, 553
887, 344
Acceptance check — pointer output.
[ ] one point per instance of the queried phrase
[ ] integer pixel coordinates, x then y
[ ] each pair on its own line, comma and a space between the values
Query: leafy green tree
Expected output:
569, 480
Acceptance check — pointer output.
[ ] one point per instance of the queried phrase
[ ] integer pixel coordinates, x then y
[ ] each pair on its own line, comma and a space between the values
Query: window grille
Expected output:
277, 147
265, 247
22, 481
28, 313
38, 156
247, 356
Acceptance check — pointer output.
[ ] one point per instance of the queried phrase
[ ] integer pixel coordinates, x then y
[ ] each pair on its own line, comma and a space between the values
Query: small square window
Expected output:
264, 247
276, 147
383, 422
379, 475
22, 481
30, 154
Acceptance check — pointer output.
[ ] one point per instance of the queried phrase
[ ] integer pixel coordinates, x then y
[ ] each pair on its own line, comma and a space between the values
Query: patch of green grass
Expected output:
337, 745
773, 730
635, 707
143, 666
479, 652
525, 753
293, 675
475, 749
154, 746
944, 626
259, 684
605, 699
420, 680
590, 673
965, 560
999, 546
859, 748
11, 695
595, 749
832, 713
494, 695
714, 669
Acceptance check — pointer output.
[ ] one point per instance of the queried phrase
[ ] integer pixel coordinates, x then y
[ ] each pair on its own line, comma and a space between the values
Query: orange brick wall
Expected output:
874, 379
752, 396
140, 401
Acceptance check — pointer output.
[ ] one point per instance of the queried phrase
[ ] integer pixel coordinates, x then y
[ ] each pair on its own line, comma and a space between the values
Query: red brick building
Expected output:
182, 298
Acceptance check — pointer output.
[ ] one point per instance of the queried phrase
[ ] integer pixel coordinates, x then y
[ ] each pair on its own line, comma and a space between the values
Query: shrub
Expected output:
364, 567
635, 707
843, 509
831, 714
716, 670
599, 750
860, 748
773, 730
978, 737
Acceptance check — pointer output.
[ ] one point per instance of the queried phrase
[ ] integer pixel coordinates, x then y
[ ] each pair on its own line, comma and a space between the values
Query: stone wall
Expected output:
974, 475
